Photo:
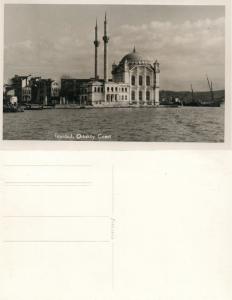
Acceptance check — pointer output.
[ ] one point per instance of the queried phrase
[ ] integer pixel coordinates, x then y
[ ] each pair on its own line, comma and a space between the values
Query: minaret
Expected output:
96, 43
156, 77
106, 40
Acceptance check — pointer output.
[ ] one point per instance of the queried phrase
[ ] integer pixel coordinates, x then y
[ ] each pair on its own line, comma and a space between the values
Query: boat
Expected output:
170, 102
34, 107
168, 105
7, 109
203, 103
10, 104
212, 102
48, 106
193, 101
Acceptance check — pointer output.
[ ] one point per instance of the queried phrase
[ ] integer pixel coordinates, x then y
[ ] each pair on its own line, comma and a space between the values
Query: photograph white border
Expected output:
79, 145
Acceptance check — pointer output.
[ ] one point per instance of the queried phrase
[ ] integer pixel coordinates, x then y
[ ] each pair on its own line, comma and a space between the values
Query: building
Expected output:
32, 90
22, 88
135, 81
44, 91
73, 91
8, 93
55, 92
141, 75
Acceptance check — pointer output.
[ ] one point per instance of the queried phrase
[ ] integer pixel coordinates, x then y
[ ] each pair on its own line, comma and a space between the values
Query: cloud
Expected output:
186, 51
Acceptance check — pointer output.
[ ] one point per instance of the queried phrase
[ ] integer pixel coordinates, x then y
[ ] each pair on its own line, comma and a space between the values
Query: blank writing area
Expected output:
76, 229
176, 245
57, 190
56, 230
66, 270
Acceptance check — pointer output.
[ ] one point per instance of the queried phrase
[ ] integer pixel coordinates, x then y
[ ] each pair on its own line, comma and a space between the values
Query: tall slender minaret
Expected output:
156, 82
106, 40
96, 43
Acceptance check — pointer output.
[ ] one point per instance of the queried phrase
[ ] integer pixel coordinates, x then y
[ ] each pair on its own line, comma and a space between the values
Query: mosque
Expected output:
135, 80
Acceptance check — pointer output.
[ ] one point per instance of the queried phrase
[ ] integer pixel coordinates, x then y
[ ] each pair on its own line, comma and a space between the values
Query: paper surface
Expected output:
100, 225
119, 225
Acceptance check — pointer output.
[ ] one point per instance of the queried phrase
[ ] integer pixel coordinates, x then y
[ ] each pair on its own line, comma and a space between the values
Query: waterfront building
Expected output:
135, 81
55, 92
72, 91
44, 91
141, 75
8, 93
22, 88
26, 94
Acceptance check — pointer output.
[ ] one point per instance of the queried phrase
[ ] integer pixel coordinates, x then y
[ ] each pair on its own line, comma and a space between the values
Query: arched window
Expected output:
140, 80
95, 89
148, 80
122, 97
133, 95
140, 95
99, 89
133, 80
147, 95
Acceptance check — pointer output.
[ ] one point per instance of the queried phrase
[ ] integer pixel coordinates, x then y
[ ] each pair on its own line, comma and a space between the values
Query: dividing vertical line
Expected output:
112, 192
112, 265
112, 224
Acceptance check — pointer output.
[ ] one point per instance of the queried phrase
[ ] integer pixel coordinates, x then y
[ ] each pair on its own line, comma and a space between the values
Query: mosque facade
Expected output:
135, 80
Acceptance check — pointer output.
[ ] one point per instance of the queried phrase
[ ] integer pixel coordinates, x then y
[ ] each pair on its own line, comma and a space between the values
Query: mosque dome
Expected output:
134, 58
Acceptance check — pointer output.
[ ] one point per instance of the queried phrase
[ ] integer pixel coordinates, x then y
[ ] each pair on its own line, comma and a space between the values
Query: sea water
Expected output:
166, 124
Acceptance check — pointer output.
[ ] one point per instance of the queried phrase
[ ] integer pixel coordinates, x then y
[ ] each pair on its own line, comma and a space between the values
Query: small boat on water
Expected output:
11, 108
168, 105
193, 101
33, 107
48, 106
212, 102
203, 103
11, 105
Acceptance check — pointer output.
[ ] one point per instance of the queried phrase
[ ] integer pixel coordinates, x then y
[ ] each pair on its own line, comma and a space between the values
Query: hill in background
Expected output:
186, 96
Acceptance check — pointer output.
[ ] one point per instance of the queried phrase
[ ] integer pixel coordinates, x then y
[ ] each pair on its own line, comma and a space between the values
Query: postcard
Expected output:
100, 73
115, 225
149, 223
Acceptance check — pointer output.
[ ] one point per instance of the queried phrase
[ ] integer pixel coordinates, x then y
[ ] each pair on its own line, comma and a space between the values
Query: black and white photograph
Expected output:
125, 73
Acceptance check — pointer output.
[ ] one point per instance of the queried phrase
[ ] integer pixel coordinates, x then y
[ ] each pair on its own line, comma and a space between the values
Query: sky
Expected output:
55, 41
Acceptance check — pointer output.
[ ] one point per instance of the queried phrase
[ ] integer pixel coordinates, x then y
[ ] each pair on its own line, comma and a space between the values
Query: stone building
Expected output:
22, 88
55, 92
141, 75
44, 91
135, 81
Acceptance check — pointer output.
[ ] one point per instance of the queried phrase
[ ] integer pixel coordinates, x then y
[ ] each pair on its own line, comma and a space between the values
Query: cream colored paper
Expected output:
118, 225
139, 225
